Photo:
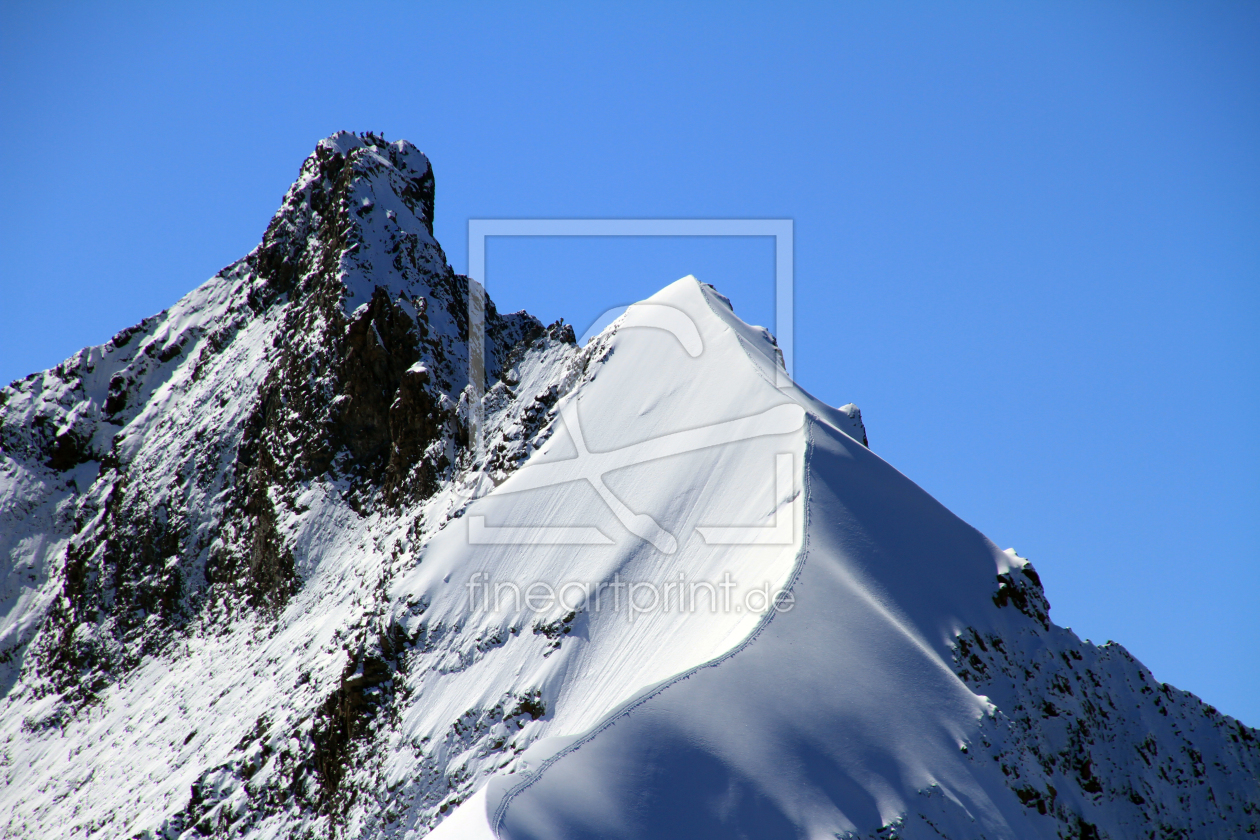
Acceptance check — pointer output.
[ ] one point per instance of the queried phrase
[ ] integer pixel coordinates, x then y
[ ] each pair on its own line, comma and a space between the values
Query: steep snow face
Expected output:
256, 583
857, 712
643, 464
648, 533
831, 717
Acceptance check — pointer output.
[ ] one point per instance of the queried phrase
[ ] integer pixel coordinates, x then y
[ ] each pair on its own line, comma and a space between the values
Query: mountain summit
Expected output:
274, 567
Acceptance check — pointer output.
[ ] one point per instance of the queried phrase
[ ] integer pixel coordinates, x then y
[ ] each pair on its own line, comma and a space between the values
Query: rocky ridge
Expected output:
154, 487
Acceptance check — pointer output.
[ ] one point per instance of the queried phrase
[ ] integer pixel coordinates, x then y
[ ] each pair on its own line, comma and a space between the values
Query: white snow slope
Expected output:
676, 597
837, 717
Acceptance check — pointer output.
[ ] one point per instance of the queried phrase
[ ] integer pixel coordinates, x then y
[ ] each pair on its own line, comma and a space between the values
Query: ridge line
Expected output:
626, 709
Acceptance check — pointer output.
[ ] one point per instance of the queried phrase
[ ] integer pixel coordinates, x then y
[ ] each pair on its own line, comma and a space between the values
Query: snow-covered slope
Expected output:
258, 582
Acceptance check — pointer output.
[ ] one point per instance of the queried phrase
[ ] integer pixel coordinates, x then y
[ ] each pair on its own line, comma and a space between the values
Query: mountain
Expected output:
273, 566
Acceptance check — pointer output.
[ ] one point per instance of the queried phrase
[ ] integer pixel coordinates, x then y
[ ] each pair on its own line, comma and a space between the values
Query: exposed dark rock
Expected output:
365, 693
1080, 737
69, 449
1022, 589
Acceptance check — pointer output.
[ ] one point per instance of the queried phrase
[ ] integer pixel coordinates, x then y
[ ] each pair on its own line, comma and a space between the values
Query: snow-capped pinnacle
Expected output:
368, 204
411, 174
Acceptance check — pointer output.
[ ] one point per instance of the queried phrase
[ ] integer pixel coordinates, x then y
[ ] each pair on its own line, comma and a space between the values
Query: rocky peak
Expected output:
334, 355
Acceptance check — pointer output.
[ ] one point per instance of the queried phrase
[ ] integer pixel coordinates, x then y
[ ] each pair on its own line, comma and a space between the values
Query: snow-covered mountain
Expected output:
261, 580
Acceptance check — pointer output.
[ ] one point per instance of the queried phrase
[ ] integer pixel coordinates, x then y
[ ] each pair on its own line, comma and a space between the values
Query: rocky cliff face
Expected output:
218, 619
152, 484
1086, 736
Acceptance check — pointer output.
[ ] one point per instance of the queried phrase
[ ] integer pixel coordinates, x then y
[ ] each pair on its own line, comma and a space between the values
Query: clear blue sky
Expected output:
1027, 235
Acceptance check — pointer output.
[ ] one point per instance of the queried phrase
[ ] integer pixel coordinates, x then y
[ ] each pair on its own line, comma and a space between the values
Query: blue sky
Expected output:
1027, 235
